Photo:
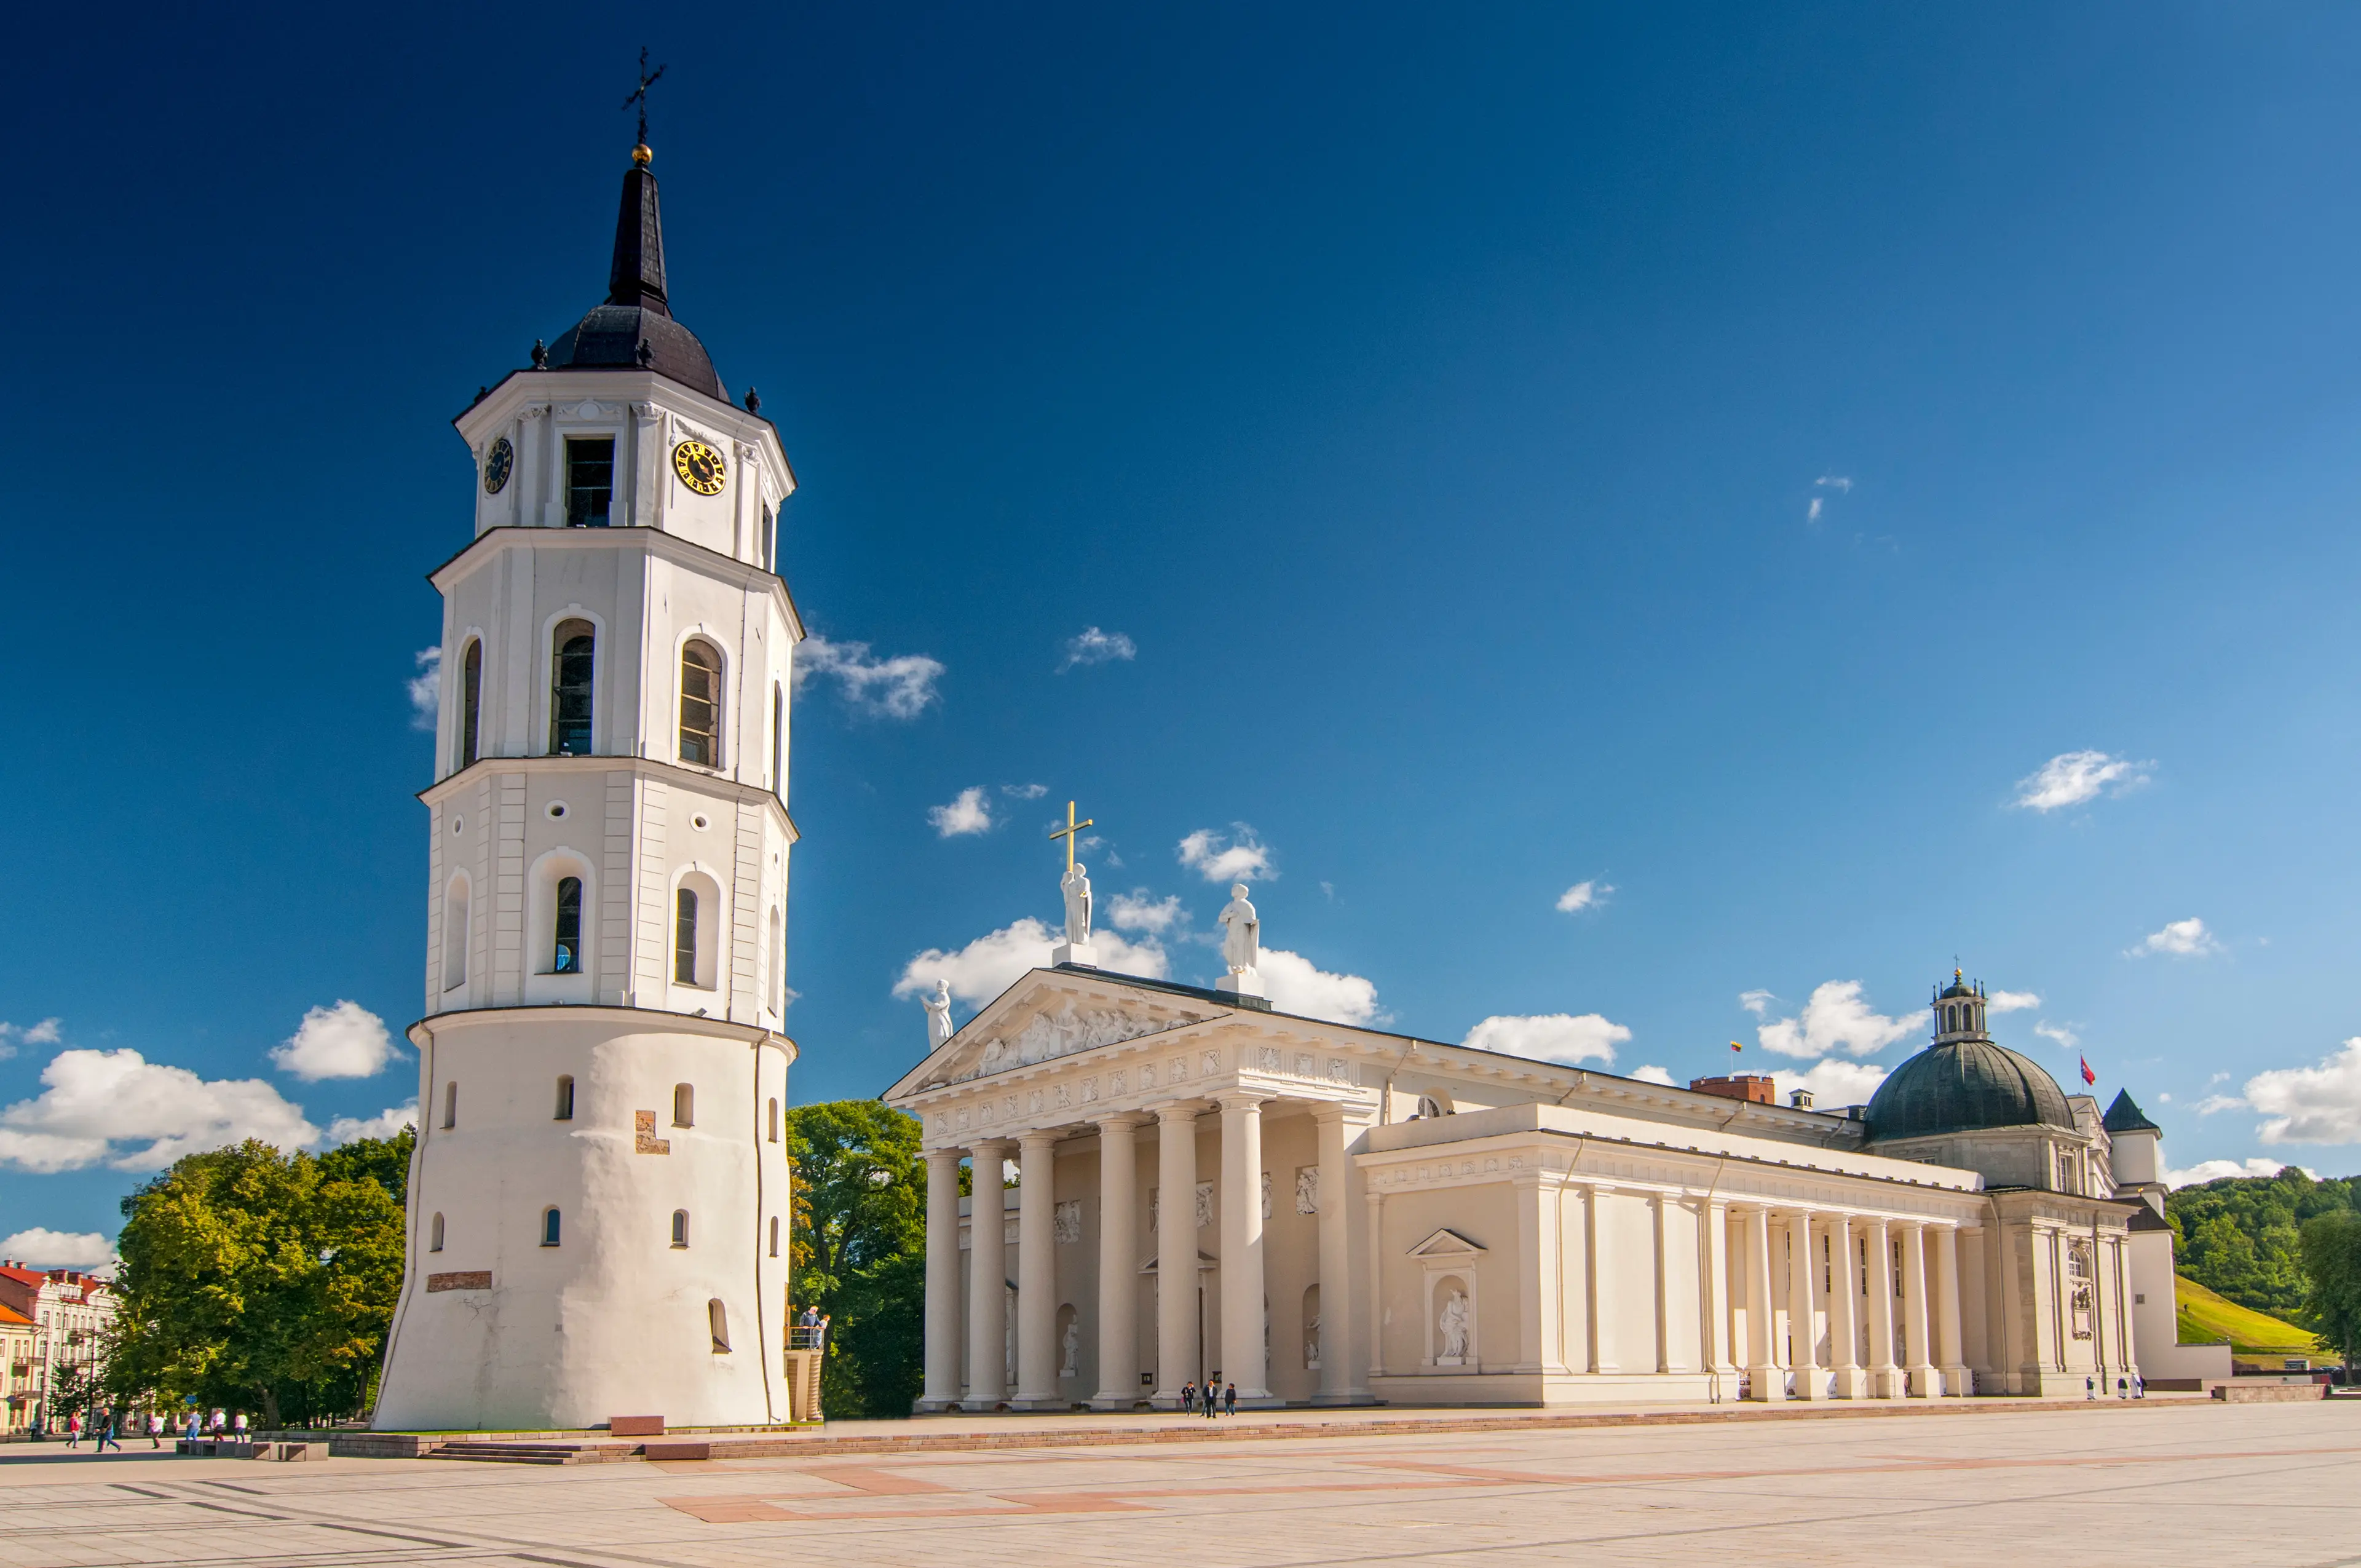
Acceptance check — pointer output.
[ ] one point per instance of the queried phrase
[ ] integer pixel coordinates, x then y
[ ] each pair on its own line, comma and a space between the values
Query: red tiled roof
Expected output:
12, 1319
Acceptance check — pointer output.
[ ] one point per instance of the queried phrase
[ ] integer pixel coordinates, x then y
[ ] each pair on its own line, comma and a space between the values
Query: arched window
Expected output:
775, 1125
684, 1105
454, 935
564, 1099
683, 936
549, 1227
775, 1234
435, 1236
471, 699
778, 739
717, 1317
568, 950
778, 964
701, 705
1428, 1105
451, 1104
680, 1227
572, 663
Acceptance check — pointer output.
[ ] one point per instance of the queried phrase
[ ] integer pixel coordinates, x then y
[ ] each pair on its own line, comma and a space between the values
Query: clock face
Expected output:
699, 466
497, 463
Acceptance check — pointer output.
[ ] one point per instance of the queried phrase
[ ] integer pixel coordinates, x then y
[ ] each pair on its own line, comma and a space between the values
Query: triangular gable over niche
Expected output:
1205, 1260
1448, 1244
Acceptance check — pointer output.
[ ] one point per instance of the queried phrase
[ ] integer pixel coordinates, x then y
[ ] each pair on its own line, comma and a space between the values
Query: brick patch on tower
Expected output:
645, 1139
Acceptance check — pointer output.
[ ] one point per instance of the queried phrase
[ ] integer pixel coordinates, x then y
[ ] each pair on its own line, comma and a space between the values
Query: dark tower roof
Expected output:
1965, 1086
2124, 1116
634, 328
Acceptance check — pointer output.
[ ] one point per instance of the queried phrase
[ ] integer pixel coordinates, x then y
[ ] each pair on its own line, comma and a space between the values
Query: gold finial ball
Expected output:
640, 154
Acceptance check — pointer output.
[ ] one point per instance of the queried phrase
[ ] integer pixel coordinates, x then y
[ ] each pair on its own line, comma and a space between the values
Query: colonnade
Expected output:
1842, 1267
1237, 1269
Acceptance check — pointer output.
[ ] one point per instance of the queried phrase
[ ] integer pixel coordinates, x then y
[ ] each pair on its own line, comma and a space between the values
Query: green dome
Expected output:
1965, 1086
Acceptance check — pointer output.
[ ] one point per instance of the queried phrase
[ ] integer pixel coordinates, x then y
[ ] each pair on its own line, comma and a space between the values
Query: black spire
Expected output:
637, 276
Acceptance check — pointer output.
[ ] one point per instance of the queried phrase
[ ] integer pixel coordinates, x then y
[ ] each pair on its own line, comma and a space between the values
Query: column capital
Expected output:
1040, 1139
1172, 1113
1115, 1121
1242, 1099
948, 1156
1328, 1112
985, 1149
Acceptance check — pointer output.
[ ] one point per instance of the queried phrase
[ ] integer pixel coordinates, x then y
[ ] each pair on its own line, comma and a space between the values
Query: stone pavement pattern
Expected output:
2196, 1485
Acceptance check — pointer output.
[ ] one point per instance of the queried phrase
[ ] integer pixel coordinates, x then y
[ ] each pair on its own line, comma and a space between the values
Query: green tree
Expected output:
858, 1249
2332, 1267
261, 1280
2242, 1236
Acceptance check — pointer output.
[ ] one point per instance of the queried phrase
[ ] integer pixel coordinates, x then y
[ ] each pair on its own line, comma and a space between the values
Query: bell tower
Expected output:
598, 1200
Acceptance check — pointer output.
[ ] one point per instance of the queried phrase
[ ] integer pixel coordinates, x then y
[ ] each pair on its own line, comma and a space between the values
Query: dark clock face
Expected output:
699, 466
497, 463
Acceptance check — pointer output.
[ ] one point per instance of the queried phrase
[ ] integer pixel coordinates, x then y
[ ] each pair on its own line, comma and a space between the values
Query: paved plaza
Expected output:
2182, 1483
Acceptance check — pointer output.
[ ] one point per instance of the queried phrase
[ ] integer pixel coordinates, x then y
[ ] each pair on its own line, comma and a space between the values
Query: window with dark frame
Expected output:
701, 705
567, 954
564, 1099
471, 700
573, 665
590, 480
683, 936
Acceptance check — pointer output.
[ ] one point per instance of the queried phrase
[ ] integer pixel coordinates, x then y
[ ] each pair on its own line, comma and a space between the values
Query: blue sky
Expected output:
1722, 458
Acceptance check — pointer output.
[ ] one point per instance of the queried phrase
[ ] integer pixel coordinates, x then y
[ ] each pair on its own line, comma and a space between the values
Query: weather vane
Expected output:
639, 94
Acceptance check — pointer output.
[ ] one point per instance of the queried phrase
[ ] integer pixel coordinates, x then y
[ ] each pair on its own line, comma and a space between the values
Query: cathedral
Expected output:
1212, 1190
599, 1191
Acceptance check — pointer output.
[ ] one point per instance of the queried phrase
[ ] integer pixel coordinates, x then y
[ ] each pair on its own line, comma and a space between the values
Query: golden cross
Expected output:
1069, 831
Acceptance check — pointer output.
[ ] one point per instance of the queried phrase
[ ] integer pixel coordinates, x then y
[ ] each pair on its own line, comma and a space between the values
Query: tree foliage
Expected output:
259, 1280
2242, 1236
2332, 1267
857, 1250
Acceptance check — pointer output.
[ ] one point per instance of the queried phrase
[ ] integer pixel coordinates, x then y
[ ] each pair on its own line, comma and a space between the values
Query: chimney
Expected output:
1800, 1098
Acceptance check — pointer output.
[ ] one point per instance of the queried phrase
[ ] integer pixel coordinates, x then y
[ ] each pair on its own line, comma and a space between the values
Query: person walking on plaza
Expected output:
73, 1430
1230, 1399
155, 1430
1189, 1398
107, 1428
1212, 1398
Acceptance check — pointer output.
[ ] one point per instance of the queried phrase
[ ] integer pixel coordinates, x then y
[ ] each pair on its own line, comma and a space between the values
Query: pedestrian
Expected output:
1189, 1398
1230, 1399
241, 1423
2090, 1387
155, 1430
73, 1430
2139, 1386
107, 1430
1212, 1398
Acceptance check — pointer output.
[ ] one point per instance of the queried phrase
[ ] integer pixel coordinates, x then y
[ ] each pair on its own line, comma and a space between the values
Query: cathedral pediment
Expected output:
1045, 1017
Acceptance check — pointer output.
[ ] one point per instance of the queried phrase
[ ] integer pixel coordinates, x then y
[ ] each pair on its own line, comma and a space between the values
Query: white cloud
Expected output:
971, 812
2310, 1104
1296, 985
45, 1032
118, 1108
1756, 1002
1136, 911
386, 1124
1654, 1075
1025, 791
1835, 1019
2214, 1104
1218, 859
2011, 1000
1582, 895
343, 1041
1834, 1083
43, 1248
2206, 1170
1567, 1037
1096, 647
2067, 1039
992, 962
898, 687
1837, 482
2070, 778
425, 689
1812, 513
2180, 939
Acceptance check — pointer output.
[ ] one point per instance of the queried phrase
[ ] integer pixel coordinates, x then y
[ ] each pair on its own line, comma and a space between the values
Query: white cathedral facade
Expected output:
1210, 1191
598, 1196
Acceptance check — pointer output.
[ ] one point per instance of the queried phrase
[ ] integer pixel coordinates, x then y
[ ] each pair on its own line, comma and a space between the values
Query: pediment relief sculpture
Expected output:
1062, 1032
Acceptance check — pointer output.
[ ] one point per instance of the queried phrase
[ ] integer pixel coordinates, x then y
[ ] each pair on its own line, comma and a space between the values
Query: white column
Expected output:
1659, 1207
1339, 1346
1844, 1308
942, 1389
1885, 1380
1118, 1349
1919, 1369
1376, 1203
1037, 1271
987, 1280
1803, 1308
1176, 1251
1713, 1264
1245, 1359
1599, 1349
1762, 1375
1948, 1356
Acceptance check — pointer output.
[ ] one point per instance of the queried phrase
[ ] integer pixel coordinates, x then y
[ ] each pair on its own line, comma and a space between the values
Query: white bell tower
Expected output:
598, 1201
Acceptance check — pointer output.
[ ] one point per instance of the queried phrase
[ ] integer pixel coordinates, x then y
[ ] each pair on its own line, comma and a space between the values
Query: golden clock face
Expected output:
699, 466
497, 463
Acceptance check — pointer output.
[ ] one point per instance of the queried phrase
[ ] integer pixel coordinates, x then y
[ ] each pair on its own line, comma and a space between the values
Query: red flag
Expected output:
2088, 1076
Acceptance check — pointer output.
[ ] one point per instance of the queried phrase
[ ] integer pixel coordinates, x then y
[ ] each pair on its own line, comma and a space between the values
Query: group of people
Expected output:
105, 1429
1211, 1400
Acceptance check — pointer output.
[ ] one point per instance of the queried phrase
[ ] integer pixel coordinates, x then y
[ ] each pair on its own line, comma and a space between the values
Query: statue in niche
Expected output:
1241, 932
1307, 1189
1312, 1343
1008, 1311
1452, 1324
1072, 1367
939, 1015
1205, 1204
1266, 1195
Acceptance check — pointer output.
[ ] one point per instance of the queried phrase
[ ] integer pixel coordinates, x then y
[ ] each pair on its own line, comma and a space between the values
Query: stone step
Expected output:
512, 1453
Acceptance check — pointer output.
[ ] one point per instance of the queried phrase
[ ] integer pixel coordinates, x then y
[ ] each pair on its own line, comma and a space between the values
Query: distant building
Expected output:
69, 1314
16, 1369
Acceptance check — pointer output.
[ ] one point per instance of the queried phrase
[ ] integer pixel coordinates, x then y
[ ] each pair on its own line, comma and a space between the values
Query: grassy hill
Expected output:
2206, 1317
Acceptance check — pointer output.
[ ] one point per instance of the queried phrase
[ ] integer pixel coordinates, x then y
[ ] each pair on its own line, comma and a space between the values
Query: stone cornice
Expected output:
443, 789
654, 540
661, 1018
